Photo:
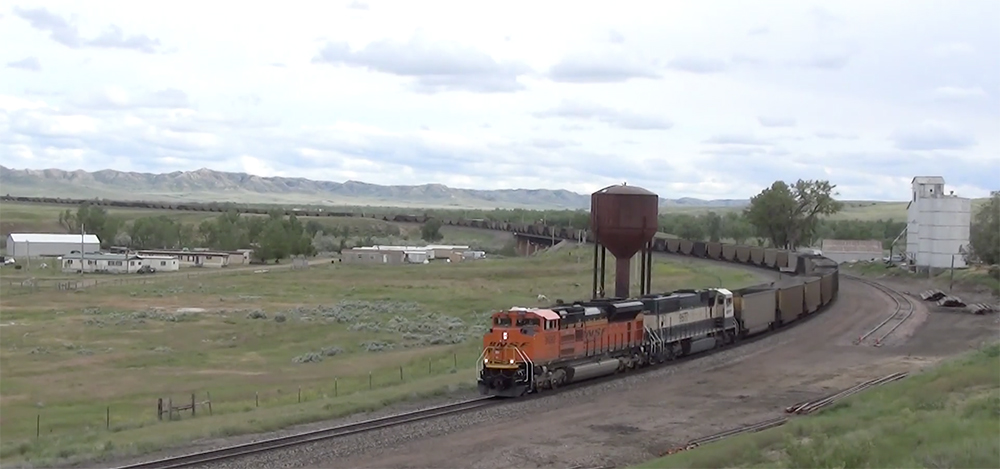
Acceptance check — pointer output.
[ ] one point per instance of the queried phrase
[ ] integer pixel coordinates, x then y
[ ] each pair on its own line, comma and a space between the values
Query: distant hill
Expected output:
206, 185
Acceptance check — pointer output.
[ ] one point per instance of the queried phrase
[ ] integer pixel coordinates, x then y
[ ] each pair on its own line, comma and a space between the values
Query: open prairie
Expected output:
82, 370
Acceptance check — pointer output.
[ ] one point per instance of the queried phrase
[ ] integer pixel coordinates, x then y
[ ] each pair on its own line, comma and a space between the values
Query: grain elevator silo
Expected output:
938, 224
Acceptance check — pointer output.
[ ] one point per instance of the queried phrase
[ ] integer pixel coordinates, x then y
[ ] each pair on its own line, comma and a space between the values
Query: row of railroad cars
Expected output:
529, 350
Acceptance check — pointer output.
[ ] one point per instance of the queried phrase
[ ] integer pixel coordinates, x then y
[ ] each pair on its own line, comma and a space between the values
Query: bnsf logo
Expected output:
508, 344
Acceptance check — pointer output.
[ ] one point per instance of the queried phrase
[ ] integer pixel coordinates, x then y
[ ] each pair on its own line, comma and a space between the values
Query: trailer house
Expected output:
99, 262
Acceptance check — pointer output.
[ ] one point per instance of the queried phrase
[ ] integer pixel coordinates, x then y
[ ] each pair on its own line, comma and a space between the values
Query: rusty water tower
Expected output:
624, 220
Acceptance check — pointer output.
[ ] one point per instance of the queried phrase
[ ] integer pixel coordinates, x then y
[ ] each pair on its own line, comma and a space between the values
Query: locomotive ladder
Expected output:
529, 367
656, 342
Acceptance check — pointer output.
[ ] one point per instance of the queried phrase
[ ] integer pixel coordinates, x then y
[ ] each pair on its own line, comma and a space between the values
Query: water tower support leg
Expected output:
649, 267
622, 274
642, 271
604, 256
593, 291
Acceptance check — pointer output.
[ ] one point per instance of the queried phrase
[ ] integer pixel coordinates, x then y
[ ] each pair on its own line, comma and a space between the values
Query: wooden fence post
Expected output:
208, 396
369, 380
192, 404
159, 408
335, 390
256, 399
400, 372
300, 394
107, 418
38, 426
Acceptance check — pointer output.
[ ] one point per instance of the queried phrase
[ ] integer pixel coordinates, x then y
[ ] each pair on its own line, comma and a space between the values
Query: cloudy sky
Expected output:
700, 99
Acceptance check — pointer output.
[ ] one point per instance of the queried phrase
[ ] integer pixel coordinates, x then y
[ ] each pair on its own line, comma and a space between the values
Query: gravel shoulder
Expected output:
638, 417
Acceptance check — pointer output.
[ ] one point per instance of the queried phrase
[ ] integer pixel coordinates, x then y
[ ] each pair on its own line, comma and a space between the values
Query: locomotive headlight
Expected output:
504, 336
511, 361
486, 360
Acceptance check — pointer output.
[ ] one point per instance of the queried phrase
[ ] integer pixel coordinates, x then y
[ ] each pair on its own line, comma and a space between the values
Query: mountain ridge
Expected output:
205, 183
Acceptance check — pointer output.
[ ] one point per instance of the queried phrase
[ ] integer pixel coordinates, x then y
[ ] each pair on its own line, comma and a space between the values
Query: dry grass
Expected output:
69, 356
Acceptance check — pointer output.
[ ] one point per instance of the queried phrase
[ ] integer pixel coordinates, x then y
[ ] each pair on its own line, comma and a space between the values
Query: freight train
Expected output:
528, 350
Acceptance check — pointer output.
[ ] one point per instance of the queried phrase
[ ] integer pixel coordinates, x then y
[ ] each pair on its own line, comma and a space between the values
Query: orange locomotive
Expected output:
531, 348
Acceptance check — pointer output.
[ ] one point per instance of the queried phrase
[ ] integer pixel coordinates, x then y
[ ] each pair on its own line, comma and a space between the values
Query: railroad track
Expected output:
754, 427
232, 452
801, 408
808, 407
903, 310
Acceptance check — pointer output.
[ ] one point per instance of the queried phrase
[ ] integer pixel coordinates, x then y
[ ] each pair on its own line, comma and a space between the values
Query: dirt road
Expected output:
639, 417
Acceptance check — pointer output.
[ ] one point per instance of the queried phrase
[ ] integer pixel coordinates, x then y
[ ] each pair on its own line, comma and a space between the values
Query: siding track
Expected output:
903, 310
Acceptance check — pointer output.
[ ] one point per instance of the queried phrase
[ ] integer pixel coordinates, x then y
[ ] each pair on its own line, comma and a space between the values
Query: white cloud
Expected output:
684, 98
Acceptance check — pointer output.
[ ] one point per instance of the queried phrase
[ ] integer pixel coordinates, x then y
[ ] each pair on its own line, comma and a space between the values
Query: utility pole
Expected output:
82, 248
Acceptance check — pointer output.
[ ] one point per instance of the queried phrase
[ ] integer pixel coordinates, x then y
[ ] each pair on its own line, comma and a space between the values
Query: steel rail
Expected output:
754, 427
810, 406
895, 296
231, 452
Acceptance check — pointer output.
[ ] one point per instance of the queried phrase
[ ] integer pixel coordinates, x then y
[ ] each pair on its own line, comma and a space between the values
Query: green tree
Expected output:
788, 215
431, 231
159, 232
713, 226
273, 242
94, 219
227, 232
689, 227
984, 236
313, 227
736, 227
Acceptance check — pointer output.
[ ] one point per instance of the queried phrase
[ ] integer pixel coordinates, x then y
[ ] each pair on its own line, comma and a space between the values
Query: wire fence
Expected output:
191, 404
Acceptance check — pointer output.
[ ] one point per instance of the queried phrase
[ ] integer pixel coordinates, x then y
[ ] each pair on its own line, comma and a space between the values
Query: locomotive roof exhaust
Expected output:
624, 220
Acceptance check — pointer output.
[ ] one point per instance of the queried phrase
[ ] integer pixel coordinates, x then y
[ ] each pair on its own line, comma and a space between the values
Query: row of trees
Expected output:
271, 237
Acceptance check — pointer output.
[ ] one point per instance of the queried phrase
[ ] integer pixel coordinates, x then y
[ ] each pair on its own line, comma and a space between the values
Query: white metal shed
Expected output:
22, 245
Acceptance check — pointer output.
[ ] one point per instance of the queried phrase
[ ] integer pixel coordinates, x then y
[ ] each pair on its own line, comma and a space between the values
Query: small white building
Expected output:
849, 250
99, 262
23, 245
937, 225
160, 263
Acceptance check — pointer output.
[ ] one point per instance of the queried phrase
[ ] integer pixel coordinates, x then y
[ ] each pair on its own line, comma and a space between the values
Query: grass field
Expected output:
68, 358
853, 210
948, 416
21, 217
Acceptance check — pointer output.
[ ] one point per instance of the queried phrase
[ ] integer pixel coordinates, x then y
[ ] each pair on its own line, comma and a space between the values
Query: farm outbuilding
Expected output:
22, 245
848, 250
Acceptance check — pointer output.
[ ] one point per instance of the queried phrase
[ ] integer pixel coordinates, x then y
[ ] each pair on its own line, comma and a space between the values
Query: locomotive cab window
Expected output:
528, 322
501, 321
